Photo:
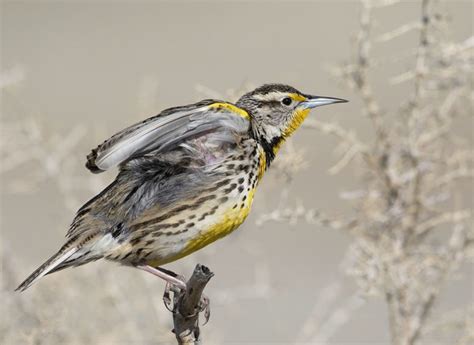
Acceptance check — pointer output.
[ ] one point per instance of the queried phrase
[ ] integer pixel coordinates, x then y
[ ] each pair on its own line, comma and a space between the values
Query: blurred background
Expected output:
75, 72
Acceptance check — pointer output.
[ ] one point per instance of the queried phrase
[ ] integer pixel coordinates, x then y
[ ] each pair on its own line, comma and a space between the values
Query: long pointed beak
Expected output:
317, 101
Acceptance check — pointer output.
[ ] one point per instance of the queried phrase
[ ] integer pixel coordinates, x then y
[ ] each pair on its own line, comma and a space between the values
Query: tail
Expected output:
52, 263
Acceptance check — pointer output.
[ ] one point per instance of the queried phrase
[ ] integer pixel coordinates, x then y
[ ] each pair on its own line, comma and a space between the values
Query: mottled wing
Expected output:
165, 131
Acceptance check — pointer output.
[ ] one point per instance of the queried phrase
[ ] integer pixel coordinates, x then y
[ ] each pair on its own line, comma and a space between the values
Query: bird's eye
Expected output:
286, 101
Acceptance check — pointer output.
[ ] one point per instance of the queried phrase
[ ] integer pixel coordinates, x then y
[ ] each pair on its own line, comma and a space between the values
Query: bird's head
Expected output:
276, 111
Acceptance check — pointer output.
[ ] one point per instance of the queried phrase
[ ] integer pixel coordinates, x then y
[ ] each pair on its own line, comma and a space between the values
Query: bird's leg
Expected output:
175, 283
167, 275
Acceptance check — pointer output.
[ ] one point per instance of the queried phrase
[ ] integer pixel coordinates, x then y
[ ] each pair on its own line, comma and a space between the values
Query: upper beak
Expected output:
317, 101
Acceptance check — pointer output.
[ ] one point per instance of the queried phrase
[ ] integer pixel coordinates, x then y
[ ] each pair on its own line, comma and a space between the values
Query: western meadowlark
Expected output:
187, 177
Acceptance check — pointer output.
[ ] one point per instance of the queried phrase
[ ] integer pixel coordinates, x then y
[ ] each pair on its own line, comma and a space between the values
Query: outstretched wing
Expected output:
167, 130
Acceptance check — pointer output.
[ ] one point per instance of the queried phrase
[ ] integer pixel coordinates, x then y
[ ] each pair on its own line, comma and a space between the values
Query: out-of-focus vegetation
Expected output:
412, 228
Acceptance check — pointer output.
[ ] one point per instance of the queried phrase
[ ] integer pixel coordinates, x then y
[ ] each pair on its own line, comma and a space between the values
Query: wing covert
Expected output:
166, 130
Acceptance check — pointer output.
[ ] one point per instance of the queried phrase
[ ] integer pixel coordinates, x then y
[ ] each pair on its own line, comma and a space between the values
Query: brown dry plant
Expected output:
411, 226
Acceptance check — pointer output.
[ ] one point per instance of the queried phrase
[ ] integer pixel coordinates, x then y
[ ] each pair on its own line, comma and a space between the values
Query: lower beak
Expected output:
317, 101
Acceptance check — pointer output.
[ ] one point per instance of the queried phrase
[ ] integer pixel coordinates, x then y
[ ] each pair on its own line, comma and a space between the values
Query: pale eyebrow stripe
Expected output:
272, 96
276, 96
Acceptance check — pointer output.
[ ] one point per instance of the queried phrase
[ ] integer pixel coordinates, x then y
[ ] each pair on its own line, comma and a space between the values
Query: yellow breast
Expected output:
225, 223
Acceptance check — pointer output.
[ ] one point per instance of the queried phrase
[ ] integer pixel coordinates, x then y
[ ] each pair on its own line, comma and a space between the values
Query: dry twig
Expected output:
188, 305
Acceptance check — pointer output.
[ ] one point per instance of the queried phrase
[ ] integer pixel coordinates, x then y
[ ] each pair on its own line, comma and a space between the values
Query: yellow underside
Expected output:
229, 221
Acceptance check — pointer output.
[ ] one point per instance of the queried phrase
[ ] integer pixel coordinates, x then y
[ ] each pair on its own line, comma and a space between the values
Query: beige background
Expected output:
102, 65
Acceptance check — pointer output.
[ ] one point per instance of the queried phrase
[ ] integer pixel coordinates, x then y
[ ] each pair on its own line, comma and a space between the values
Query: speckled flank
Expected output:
197, 222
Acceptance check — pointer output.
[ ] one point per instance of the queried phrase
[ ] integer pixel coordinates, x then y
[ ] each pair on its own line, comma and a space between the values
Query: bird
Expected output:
186, 178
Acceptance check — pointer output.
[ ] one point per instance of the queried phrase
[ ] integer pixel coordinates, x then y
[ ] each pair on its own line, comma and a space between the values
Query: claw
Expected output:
171, 290
167, 297
205, 306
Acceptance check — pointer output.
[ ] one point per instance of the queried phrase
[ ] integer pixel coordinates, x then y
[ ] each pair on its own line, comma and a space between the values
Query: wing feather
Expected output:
166, 130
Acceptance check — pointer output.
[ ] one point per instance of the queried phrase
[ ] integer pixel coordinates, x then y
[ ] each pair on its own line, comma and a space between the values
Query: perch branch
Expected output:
188, 304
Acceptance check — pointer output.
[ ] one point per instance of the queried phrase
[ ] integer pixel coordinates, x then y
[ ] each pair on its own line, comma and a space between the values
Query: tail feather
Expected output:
47, 267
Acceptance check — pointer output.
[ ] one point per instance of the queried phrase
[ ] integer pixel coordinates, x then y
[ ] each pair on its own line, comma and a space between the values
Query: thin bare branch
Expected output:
188, 305
388, 36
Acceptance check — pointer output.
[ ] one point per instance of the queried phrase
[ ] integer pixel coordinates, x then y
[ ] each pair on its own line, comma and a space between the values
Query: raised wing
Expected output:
166, 130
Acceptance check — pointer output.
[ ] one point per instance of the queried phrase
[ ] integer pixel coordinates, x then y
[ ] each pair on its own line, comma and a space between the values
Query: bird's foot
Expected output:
169, 300
175, 288
172, 287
